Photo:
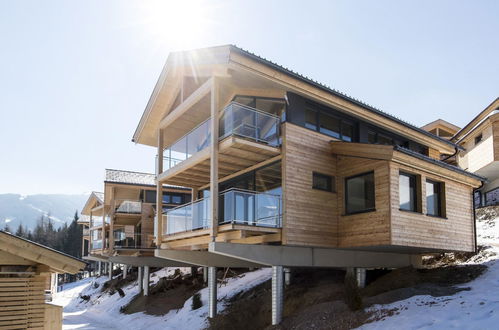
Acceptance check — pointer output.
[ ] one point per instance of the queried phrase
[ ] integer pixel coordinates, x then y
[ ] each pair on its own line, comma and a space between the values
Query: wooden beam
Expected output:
259, 239
195, 97
214, 158
159, 191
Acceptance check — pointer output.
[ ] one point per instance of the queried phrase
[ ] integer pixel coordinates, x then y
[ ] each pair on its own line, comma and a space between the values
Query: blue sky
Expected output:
75, 76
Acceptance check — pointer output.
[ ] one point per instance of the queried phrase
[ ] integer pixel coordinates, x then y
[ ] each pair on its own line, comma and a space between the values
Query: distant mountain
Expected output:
16, 209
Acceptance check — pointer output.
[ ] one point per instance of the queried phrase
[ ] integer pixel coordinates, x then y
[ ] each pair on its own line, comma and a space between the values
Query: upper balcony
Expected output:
247, 136
127, 206
98, 221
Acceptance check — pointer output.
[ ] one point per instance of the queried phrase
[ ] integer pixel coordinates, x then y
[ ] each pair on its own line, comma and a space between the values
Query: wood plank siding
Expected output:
370, 228
310, 216
411, 229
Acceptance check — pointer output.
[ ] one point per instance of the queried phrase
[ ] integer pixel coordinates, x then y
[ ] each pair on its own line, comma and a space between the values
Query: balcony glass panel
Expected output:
188, 217
241, 120
96, 221
128, 206
96, 244
250, 208
132, 241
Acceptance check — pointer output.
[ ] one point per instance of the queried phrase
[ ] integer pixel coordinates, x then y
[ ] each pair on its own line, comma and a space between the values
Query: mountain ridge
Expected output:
16, 209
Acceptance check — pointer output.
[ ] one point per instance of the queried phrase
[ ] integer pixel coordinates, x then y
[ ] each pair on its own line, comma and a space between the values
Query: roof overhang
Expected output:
475, 122
225, 60
408, 158
93, 201
53, 260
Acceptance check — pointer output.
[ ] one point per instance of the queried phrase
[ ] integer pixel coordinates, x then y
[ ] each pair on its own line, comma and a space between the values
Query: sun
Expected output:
178, 23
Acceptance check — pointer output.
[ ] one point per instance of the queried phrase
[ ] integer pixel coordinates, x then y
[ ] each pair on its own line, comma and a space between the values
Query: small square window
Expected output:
478, 138
323, 182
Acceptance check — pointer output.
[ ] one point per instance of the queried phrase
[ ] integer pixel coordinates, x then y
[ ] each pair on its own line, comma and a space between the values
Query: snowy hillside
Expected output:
476, 308
16, 209
102, 311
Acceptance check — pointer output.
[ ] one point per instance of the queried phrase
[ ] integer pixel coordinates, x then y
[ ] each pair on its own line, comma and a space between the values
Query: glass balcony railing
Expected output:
132, 241
236, 207
95, 221
236, 119
96, 244
128, 206
250, 208
247, 122
188, 217
86, 232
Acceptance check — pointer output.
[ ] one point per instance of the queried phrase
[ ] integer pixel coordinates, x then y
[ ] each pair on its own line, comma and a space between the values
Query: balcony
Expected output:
237, 207
247, 136
96, 244
126, 206
97, 221
123, 240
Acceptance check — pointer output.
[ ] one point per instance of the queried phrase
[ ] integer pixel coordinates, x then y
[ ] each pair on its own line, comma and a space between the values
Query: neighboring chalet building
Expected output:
441, 128
480, 141
121, 220
286, 172
26, 269
84, 222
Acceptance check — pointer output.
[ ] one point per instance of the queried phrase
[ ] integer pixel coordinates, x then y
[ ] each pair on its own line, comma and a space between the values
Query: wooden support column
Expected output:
214, 160
158, 221
111, 221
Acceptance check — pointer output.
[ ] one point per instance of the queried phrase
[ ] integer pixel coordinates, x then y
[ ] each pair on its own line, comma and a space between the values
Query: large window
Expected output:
435, 198
311, 119
359, 193
408, 192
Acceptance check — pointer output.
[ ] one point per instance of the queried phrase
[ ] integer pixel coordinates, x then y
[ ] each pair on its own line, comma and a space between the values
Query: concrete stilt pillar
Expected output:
360, 275
99, 269
125, 270
146, 280
277, 294
110, 270
212, 292
205, 275
287, 276
140, 279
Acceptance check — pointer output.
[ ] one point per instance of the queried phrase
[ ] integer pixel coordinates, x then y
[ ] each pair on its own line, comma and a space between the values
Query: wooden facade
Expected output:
310, 216
25, 272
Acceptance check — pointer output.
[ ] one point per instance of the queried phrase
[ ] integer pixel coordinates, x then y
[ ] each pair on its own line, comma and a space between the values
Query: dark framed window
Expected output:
311, 119
477, 199
359, 193
383, 139
435, 198
478, 138
329, 125
323, 182
492, 197
409, 192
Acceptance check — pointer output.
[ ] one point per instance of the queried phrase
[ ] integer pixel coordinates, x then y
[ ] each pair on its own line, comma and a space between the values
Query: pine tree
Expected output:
7, 228
20, 231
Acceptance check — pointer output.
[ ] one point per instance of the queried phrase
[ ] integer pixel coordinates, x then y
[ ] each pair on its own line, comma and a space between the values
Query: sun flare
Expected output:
179, 23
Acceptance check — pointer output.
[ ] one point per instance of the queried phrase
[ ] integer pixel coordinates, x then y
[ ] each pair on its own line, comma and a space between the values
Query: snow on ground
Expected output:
103, 310
477, 308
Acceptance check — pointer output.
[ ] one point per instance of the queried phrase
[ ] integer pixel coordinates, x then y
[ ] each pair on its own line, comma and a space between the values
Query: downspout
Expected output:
474, 213
450, 156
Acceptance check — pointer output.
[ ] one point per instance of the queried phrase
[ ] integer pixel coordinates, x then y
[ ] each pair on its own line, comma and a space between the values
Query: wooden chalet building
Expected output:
480, 142
287, 172
121, 220
26, 269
